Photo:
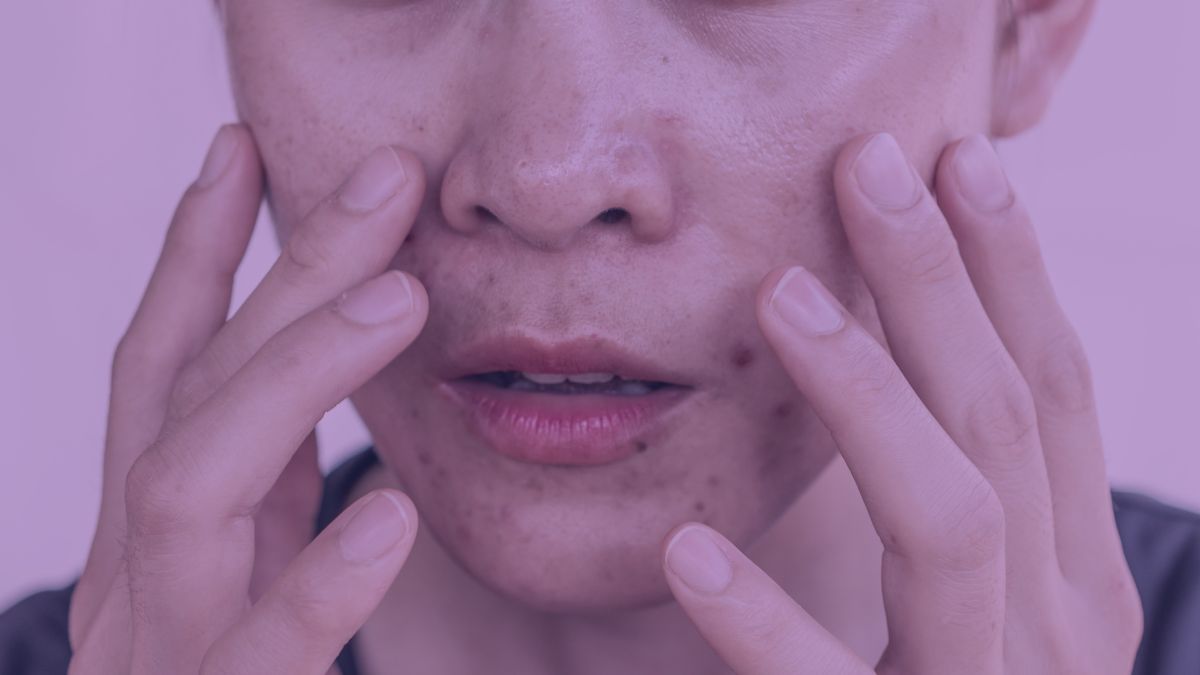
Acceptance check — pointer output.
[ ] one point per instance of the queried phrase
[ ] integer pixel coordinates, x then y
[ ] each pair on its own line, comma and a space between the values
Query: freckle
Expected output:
783, 410
714, 481
698, 506
640, 446
666, 59
743, 357
423, 458
421, 128
491, 279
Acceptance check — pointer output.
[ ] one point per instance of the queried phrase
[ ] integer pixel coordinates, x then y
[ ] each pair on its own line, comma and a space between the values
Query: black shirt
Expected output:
1162, 546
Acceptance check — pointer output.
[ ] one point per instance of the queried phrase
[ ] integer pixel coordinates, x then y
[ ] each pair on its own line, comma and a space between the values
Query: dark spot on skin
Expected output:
640, 446
409, 239
742, 357
464, 534
666, 59
534, 483
714, 481
491, 279
783, 410
698, 506
423, 458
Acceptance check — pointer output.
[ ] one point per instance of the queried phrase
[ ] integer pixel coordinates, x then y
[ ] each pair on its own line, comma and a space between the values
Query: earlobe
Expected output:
1038, 46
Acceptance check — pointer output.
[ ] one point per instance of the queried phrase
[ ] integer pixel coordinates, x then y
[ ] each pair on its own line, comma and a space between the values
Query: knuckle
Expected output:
288, 360
192, 386
137, 359
1002, 416
309, 255
871, 375
932, 255
1064, 380
1122, 603
303, 604
969, 535
155, 497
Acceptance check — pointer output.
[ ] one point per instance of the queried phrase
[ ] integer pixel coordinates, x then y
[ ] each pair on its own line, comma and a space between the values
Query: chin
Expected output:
569, 565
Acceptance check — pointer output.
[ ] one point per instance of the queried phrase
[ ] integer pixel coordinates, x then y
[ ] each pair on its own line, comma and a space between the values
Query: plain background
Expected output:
107, 107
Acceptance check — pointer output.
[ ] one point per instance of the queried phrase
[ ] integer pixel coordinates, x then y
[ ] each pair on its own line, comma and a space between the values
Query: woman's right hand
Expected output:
203, 560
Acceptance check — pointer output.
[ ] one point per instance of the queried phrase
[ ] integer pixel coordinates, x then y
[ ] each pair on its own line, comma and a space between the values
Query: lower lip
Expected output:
570, 429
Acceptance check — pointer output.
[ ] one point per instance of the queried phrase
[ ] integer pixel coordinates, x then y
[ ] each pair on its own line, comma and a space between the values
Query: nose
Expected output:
554, 146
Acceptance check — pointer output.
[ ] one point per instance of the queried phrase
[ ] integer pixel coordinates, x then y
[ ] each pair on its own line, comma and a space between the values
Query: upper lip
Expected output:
570, 357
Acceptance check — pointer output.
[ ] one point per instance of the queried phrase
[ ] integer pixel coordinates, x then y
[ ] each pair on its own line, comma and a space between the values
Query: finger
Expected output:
745, 616
350, 237
999, 246
185, 301
321, 599
191, 496
287, 516
945, 344
940, 522
104, 646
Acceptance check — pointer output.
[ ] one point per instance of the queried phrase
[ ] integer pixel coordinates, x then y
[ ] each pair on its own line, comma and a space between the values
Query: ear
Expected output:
1039, 43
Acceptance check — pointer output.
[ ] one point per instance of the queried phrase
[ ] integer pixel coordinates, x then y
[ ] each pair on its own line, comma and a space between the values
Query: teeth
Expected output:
592, 378
582, 378
543, 378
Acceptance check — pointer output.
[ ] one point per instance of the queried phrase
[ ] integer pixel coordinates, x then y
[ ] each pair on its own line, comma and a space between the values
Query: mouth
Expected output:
579, 403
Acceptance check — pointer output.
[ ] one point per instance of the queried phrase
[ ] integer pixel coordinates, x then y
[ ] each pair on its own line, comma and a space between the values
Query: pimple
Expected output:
742, 357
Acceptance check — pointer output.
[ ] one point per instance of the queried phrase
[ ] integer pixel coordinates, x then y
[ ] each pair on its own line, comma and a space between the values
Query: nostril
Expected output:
612, 216
485, 215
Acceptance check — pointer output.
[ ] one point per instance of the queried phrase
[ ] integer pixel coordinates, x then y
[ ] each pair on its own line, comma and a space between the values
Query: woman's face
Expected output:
711, 127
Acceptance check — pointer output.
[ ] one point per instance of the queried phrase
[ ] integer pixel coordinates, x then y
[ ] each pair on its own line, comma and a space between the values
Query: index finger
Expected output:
940, 522
186, 300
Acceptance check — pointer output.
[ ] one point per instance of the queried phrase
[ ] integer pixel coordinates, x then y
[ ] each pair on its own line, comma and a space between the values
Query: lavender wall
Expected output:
106, 107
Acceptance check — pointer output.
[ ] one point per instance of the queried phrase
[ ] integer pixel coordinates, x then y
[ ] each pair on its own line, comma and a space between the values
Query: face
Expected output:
603, 178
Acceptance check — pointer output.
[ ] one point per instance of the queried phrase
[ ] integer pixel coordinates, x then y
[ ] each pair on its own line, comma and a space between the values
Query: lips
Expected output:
582, 402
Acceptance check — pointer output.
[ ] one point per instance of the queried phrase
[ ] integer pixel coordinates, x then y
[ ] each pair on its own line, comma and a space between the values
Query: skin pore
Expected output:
711, 127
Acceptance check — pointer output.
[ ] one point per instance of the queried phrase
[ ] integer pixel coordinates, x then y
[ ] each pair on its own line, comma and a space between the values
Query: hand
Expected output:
975, 445
202, 561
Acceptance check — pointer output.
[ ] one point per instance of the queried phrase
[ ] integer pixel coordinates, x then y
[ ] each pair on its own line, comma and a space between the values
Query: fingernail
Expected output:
885, 175
981, 176
694, 557
374, 181
804, 303
382, 299
220, 155
376, 529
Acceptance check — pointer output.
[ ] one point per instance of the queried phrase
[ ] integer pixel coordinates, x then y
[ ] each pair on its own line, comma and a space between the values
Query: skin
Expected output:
937, 431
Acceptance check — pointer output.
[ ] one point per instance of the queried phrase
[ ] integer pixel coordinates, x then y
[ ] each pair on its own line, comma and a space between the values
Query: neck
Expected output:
822, 551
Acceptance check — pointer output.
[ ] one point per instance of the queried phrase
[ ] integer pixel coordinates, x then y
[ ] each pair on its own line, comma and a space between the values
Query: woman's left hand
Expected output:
975, 444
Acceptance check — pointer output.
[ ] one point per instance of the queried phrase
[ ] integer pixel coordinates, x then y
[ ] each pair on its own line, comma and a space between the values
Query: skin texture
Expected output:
547, 114
731, 135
